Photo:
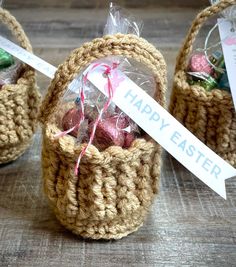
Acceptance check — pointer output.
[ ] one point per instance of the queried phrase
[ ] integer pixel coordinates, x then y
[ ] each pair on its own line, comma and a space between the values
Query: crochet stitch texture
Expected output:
19, 103
208, 115
114, 189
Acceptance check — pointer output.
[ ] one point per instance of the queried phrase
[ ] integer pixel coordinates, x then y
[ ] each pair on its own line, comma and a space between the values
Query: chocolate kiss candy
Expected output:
199, 63
70, 119
109, 132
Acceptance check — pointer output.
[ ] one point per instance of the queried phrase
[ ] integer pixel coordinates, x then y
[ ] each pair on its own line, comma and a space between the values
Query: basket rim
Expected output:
21, 80
196, 91
67, 145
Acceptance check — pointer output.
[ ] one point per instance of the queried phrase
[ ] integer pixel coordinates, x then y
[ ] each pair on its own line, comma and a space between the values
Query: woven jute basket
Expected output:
208, 115
19, 103
114, 189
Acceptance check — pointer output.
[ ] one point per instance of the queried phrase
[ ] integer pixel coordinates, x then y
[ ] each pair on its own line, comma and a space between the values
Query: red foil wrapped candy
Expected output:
110, 132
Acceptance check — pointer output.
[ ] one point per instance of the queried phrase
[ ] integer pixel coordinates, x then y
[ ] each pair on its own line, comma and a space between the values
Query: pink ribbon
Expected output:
110, 89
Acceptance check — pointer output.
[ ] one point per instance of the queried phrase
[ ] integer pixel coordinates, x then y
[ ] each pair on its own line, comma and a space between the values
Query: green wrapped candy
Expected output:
209, 83
6, 60
203, 79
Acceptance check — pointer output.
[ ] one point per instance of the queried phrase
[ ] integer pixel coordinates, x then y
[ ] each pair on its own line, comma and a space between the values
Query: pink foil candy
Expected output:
70, 119
110, 132
199, 63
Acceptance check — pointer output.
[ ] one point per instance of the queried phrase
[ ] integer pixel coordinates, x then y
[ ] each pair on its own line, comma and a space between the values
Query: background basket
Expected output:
208, 115
18, 102
115, 188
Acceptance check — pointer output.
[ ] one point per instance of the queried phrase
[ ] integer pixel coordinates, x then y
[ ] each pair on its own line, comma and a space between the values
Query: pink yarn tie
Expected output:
110, 89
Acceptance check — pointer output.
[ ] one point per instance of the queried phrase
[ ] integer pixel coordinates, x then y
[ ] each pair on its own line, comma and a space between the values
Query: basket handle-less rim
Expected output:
13, 25
186, 50
111, 45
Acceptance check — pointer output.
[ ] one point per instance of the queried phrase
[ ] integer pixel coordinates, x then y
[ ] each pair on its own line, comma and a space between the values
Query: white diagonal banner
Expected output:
28, 58
153, 119
168, 132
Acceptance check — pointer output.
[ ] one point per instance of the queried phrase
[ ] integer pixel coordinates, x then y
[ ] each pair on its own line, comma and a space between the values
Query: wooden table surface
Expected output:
189, 224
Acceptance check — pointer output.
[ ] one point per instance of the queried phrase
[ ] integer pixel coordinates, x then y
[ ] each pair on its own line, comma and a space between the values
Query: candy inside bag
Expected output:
87, 114
207, 65
10, 68
114, 126
210, 72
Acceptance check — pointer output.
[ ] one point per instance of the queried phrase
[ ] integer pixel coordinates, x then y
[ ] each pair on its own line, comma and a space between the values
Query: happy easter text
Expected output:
181, 143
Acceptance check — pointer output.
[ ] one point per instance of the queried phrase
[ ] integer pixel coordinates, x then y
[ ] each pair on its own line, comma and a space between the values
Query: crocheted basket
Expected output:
114, 189
18, 102
208, 115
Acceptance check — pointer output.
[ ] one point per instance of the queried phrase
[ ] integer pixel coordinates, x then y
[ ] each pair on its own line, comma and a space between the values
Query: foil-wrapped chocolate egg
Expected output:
6, 60
199, 63
110, 132
70, 119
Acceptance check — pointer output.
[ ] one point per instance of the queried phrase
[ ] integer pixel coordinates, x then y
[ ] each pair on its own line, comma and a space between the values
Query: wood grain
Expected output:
103, 3
189, 225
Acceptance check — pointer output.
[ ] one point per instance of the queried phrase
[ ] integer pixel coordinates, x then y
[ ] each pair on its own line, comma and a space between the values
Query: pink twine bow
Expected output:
110, 89
112, 83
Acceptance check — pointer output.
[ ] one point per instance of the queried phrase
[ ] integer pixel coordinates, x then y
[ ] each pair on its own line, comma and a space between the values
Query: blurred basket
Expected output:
208, 115
18, 102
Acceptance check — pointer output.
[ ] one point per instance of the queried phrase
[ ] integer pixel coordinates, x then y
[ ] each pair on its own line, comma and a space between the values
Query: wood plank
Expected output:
57, 28
102, 3
189, 225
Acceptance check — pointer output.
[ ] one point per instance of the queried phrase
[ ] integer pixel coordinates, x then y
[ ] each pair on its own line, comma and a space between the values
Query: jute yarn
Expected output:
18, 102
208, 115
114, 189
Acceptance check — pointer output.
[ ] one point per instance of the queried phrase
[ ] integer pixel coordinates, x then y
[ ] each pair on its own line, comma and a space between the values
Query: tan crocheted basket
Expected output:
208, 115
18, 102
114, 189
